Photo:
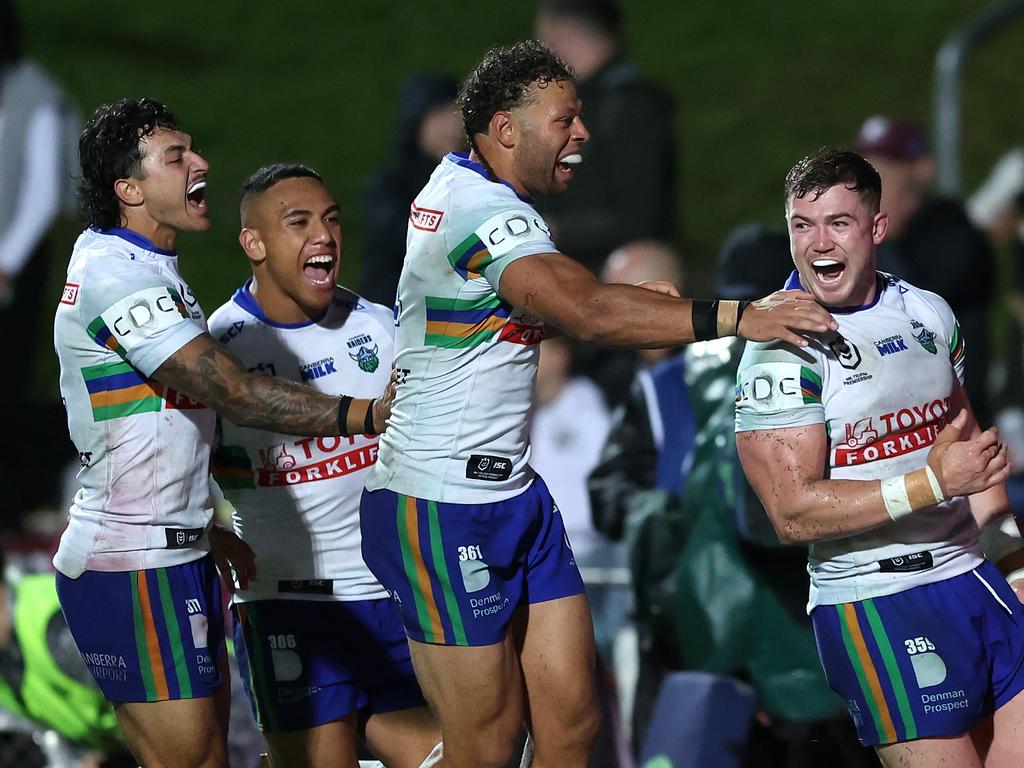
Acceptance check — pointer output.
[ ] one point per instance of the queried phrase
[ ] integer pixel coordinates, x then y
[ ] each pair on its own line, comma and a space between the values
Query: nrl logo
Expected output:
927, 340
366, 359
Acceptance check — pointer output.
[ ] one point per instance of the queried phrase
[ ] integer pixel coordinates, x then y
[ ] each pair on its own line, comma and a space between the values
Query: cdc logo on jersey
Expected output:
770, 387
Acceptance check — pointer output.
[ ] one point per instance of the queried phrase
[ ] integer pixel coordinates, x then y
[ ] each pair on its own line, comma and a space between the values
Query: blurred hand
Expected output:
965, 466
382, 405
659, 286
234, 558
784, 315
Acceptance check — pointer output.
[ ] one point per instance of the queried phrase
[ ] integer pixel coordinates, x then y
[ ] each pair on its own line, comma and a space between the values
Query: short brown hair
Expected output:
824, 169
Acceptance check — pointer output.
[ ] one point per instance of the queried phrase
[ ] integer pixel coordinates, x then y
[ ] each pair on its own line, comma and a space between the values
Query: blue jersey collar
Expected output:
462, 159
134, 238
793, 284
243, 297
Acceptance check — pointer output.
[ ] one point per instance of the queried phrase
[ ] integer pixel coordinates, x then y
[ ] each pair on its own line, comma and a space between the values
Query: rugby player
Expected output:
455, 524
141, 379
320, 645
863, 445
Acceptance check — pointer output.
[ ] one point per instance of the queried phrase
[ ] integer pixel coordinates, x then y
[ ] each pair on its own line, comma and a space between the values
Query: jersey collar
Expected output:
134, 238
243, 297
794, 284
462, 159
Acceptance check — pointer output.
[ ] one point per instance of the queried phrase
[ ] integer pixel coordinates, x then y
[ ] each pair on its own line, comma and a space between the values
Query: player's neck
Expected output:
161, 235
499, 169
280, 308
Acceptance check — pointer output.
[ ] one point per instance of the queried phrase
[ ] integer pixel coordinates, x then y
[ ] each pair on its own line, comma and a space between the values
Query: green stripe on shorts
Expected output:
140, 639
174, 634
437, 550
892, 669
410, 572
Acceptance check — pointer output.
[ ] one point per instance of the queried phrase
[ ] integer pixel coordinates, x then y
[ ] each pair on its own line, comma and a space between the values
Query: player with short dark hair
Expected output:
141, 379
321, 647
863, 445
455, 523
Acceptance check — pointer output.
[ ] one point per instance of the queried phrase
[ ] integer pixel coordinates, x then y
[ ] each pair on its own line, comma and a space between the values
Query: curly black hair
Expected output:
502, 81
825, 168
109, 150
269, 175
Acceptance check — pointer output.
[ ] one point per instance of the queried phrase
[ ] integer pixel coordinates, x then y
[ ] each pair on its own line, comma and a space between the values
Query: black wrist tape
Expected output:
344, 403
704, 318
368, 428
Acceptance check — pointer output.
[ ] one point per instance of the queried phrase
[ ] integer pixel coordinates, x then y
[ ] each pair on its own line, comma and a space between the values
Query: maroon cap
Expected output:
891, 137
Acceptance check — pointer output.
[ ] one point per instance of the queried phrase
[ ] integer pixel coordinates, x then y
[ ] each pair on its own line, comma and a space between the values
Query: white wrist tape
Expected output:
1015, 575
908, 493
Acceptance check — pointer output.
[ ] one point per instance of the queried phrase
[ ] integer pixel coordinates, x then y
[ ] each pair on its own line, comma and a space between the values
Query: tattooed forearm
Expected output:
208, 372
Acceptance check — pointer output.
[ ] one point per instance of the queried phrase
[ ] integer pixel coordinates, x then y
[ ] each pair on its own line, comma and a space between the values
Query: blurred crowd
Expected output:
687, 580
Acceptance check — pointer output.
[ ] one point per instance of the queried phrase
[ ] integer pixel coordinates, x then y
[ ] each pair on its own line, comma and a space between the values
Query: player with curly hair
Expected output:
455, 523
141, 378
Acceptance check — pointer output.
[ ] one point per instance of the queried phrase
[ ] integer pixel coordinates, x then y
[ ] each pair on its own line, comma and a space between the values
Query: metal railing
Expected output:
949, 67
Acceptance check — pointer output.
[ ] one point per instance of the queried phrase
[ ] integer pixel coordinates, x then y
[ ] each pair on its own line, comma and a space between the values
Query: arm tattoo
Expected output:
214, 376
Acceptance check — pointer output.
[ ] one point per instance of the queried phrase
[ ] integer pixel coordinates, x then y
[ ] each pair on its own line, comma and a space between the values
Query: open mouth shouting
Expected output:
827, 271
319, 270
196, 197
566, 166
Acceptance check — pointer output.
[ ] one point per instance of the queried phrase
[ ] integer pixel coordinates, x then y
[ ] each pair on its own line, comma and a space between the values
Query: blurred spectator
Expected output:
997, 208
625, 188
568, 429
38, 155
613, 370
931, 242
428, 128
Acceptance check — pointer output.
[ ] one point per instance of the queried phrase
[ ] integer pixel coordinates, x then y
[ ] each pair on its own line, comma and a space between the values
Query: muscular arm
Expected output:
560, 291
786, 468
208, 372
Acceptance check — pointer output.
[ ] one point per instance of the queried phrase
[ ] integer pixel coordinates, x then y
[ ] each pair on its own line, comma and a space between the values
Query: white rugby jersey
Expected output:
296, 499
881, 386
466, 358
144, 448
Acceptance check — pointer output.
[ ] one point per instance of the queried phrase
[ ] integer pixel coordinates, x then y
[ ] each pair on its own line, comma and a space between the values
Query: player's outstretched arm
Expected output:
560, 291
785, 467
208, 372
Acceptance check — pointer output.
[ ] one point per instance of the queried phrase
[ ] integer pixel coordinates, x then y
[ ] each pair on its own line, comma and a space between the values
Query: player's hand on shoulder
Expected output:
785, 315
234, 558
382, 405
965, 466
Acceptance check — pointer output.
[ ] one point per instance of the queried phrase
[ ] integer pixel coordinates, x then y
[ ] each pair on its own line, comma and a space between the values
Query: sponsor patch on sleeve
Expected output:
425, 219
774, 387
133, 319
500, 234
69, 295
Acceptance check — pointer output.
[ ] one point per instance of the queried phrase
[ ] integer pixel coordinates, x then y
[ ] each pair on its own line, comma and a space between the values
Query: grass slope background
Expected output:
757, 85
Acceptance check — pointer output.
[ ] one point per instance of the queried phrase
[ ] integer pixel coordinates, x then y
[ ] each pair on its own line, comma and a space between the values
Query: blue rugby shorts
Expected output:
459, 571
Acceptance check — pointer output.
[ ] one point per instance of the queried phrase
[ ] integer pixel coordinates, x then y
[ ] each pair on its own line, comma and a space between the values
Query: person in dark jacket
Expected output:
625, 187
427, 129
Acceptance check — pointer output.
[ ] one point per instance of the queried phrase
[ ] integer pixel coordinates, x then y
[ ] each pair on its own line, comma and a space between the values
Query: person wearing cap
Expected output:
931, 242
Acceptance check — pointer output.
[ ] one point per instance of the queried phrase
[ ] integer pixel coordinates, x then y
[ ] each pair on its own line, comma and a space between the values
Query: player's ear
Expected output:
253, 246
129, 192
879, 227
503, 129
